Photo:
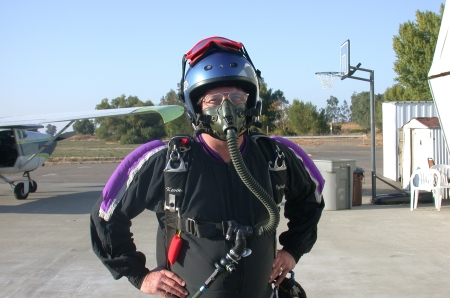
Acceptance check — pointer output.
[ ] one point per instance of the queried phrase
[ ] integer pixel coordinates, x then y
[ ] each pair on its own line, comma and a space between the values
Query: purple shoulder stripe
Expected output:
116, 184
307, 161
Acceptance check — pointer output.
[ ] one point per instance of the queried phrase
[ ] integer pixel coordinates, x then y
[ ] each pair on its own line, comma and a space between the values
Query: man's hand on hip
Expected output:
164, 283
283, 263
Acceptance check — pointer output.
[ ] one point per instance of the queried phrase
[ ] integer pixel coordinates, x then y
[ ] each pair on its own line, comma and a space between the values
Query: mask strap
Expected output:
183, 69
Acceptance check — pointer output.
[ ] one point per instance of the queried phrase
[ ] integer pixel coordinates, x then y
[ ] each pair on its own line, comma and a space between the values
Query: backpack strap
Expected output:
175, 176
277, 164
271, 151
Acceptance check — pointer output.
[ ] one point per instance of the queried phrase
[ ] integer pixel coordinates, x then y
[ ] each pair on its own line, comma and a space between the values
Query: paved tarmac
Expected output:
367, 251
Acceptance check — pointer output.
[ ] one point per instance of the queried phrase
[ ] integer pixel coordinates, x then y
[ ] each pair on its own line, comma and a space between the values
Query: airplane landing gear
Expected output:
22, 189
33, 186
19, 191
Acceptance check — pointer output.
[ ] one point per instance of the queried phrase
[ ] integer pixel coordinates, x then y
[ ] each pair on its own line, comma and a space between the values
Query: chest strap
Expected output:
191, 226
204, 229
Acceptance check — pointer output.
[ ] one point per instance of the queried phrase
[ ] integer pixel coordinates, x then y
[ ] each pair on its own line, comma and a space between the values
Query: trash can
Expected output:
358, 177
338, 189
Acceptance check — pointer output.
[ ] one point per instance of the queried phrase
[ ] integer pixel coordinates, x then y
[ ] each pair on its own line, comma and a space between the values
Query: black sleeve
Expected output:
303, 208
112, 240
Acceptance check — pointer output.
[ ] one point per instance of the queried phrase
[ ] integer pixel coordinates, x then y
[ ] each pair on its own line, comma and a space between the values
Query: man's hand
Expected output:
282, 264
164, 283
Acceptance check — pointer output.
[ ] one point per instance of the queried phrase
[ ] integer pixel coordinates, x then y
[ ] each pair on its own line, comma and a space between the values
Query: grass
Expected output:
89, 150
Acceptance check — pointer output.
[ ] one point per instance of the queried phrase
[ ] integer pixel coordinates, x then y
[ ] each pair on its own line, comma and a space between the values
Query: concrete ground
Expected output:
367, 251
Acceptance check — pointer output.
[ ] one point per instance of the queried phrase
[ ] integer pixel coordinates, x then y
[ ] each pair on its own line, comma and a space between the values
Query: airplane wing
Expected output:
25, 127
168, 113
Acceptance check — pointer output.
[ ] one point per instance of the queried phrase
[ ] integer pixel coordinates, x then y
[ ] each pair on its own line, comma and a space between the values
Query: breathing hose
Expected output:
265, 198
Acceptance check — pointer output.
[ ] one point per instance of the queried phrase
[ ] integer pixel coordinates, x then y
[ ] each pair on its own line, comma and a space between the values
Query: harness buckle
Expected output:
175, 158
190, 226
171, 204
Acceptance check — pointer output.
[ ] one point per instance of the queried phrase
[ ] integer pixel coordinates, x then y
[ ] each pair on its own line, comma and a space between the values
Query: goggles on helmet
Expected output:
215, 99
205, 46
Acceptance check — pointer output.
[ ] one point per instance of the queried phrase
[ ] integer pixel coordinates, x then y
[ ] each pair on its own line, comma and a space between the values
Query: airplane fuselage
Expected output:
18, 146
23, 149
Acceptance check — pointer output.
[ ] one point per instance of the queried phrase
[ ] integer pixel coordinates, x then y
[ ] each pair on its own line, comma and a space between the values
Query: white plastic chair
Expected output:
425, 179
445, 177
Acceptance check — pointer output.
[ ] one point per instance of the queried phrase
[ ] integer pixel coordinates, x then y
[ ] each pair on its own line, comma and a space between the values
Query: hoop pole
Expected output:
372, 134
371, 80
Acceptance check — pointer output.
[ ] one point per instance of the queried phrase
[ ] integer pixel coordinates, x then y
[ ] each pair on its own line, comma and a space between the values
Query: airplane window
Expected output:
22, 134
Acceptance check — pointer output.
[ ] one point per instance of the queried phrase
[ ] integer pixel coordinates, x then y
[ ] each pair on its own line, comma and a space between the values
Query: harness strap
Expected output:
169, 221
189, 225
265, 143
199, 229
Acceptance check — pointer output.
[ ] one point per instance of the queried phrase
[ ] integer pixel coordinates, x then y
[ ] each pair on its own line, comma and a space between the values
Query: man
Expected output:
216, 196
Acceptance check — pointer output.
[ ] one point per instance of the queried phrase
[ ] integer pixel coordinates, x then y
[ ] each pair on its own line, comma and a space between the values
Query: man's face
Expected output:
223, 90
226, 107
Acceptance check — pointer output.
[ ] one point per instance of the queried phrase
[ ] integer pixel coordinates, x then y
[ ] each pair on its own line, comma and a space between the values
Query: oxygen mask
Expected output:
226, 111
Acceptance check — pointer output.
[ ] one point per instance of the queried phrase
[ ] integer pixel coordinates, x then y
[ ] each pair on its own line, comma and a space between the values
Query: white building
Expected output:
421, 140
439, 74
395, 115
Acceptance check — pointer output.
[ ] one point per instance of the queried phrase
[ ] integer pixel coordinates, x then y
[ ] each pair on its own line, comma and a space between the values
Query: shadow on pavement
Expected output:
77, 203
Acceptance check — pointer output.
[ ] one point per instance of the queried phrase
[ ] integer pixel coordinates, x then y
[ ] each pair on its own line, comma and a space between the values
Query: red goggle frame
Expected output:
204, 46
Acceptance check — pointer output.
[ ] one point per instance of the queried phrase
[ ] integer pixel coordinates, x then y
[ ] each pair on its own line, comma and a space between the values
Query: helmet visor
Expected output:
204, 46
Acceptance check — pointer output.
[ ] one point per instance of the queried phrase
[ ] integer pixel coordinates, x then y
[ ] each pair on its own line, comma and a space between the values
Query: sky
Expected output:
58, 56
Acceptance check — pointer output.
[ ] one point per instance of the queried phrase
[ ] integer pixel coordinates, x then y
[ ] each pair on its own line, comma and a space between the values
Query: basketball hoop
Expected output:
327, 78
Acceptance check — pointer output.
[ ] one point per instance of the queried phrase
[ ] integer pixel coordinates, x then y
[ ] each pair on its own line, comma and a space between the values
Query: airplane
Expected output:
24, 149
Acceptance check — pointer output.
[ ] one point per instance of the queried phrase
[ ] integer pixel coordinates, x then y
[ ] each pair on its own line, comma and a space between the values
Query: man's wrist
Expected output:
138, 280
293, 253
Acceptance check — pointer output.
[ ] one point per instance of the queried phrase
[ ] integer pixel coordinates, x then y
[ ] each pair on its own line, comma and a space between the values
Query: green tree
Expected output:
181, 124
84, 127
345, 114
397, 93
304, 119
282, 118
414, 47
135, 129
270, 112
332, 110
50, 129
361, 109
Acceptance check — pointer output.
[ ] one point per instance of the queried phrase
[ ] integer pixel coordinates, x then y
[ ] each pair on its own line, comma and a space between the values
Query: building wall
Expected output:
440, 149
395, 115
419, 144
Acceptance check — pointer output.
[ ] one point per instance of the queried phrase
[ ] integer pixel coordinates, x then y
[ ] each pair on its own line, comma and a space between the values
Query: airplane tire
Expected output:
33, 186
19, 192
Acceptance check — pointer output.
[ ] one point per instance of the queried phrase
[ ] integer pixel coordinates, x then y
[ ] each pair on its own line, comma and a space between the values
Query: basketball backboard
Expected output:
345, 59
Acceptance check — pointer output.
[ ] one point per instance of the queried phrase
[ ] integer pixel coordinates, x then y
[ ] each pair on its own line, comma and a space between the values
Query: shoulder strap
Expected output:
175, 176
272, 152
178, 144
